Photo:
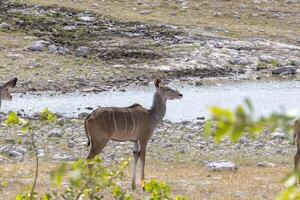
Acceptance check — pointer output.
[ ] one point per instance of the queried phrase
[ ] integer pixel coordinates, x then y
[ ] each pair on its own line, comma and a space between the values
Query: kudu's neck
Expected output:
158, 108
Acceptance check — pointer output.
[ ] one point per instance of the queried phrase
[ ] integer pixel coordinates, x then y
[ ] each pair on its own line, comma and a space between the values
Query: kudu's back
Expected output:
119, 123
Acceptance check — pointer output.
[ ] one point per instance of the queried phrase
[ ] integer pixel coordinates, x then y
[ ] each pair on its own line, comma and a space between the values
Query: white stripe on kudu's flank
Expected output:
133, 120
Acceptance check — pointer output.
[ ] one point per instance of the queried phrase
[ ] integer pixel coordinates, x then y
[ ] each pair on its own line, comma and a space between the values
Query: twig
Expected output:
36, 163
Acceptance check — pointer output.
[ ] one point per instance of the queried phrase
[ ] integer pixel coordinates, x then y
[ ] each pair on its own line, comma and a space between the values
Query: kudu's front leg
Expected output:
136, 154
143, 147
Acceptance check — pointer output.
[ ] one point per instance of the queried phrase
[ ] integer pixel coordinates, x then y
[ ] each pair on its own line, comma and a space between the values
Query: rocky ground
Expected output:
64, 49
66, 141
173, 145
93, 46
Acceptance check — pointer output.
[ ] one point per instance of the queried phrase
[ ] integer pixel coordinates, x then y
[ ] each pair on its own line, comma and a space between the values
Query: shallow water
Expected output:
266, 97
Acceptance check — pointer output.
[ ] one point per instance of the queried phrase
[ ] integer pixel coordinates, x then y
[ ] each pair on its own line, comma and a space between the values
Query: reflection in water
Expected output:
266, 97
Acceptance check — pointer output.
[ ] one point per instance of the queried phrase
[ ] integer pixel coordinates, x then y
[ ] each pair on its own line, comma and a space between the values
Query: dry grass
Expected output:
248, 182
238, 19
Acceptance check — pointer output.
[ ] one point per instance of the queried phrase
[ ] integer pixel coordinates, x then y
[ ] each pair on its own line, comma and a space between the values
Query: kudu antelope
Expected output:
134, 123
4, 93
297, 141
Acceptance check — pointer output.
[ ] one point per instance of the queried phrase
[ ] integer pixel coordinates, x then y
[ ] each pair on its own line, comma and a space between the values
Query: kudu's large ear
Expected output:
157, 82
10, 84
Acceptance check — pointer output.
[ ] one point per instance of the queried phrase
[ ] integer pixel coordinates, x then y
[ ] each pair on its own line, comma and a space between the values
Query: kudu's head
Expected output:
165, 92
4, 93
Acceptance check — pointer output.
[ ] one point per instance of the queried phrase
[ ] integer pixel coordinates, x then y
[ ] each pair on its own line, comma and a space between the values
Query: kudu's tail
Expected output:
87, 131
296, 132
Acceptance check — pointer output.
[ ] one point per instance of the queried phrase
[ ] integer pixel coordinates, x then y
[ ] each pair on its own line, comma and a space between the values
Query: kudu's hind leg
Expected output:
96, 149
136, 152
98, 140
296, 160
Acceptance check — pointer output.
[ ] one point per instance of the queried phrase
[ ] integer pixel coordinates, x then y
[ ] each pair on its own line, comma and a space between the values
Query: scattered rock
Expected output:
244, 141
89, 108
15, 154
14, 151
239, 61
4, 26
82, 52
41, 153
70, 28
199, 83
83, 115
217, 14
71, 144
86, 18
240, 45
266, 58
63, 50
15, 56
52, 48
278, 135
222, 166
36, 46
146, 12
287, 70
56, 133
64, 158
265, 164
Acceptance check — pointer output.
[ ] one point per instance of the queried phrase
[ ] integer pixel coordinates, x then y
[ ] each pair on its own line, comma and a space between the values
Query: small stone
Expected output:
83, 115
52, 48
70, 28
41, 153
89, 108
82, 52
217, 14
86, 18
278, 135
15, 56
287, 70
71, 144
4, 26
64, 158
146, 12
167, 145
265, 164
199, 83
266, 58
244, 140
63, 50
222, 166
240, 45
239, 61
15, 154
13, 151
55, 133
36, 46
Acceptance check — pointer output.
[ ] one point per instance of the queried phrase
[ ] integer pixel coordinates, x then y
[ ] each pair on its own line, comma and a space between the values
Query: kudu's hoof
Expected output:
133, 186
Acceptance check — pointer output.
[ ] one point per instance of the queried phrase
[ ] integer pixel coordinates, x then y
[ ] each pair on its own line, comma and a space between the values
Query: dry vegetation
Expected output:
275, 20
192, 179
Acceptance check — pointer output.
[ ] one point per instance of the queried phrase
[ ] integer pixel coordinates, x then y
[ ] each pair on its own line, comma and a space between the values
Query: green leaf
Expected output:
12, 119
